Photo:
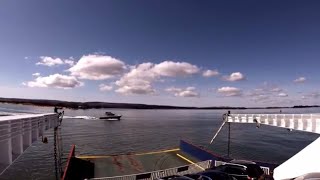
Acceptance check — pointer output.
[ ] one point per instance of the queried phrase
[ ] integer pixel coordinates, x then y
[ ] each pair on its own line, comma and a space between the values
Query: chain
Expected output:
58, 150
55, 152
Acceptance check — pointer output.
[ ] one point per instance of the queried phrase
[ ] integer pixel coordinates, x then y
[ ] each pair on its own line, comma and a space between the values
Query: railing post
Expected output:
27, 138
17, 141
42, 126
34, 129
6, 145
229, 139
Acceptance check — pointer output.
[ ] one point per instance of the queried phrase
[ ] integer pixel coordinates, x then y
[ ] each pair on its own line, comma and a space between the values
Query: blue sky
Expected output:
258, 53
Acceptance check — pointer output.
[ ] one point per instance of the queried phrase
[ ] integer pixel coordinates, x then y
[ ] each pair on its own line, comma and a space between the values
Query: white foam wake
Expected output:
79, 117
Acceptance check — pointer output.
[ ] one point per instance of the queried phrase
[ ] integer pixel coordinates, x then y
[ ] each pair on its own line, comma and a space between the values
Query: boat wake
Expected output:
80, 117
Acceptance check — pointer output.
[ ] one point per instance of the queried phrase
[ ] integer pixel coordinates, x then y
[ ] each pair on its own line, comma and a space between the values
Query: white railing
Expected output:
302, 122
182, 170
20, 131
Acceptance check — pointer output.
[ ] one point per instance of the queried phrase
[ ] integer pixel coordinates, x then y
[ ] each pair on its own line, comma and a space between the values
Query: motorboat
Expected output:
111, 116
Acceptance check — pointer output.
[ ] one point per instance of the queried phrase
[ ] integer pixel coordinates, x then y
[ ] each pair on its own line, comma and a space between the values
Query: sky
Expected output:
186, 53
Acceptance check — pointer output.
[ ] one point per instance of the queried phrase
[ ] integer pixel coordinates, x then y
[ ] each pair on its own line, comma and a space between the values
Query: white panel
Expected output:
243, 119
283, 123
300, 124
274, 122
236, 119
305, 161
291, 125
317, 126
309, 125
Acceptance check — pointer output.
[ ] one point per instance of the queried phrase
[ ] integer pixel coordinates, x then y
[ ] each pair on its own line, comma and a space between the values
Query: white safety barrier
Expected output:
301, 122
18, 132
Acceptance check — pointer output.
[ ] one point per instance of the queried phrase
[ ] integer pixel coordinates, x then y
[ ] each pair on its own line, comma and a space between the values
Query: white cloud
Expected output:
49, 61
187, 92
69, 62
174, 69
257, 92
229, 91
210, 73
55, 81
104, 87
141, 89
283, 95
236, 76
140, 78
276, 89
36, 74
300, 80
97, 67
261, 97
311, 95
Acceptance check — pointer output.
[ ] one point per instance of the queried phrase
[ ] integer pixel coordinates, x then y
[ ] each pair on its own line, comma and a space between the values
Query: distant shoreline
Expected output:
99, 105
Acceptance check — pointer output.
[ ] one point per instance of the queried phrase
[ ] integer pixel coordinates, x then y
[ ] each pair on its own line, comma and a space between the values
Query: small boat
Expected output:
111, 116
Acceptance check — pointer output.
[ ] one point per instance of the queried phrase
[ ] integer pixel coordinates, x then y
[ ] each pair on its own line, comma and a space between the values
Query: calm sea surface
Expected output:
148, 130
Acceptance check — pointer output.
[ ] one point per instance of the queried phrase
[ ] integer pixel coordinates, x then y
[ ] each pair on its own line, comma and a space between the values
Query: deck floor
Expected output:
107, 166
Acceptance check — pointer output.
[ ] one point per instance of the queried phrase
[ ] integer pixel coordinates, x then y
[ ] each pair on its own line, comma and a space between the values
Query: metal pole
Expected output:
229, 140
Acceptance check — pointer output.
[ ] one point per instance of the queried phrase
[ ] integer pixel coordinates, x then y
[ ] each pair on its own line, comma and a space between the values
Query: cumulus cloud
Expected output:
300, 80
55, 81
261, 97
283, 95
97, 67
140, 77
236, 76
174, 69
138, 80
259, 94
49, 61
311, 95
265, 89
69, 62
210, 73
230, 91
105, 87
187, 92
276, 89
36, 74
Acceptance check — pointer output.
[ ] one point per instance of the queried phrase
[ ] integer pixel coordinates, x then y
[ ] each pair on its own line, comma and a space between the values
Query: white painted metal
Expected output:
18, 132
301, 122
5, 148
304, 162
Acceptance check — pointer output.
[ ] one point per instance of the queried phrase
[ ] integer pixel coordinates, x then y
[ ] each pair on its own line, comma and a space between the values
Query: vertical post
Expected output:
41, 126
5, 144
34, 129
229, 139
17, 141
27, 134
